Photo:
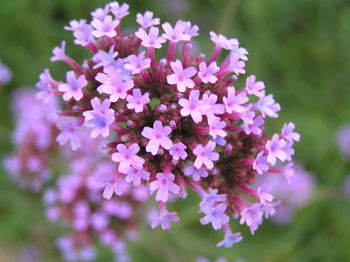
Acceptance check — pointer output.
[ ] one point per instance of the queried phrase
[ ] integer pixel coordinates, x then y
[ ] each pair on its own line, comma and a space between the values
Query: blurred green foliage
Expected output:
300, 49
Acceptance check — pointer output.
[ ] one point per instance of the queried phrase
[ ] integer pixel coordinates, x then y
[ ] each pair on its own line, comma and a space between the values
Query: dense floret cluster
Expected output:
77, 199
183, 121
34, 137
77, 202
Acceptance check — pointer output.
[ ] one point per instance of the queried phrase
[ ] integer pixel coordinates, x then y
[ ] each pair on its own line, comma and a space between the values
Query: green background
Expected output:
299, 48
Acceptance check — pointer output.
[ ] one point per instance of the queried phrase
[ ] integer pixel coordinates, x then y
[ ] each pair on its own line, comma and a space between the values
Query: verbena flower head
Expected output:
33, 138
84, 201
177, 122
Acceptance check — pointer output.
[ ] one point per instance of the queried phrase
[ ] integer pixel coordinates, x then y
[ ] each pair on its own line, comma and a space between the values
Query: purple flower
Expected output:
136, 101
100, 13
275, 148
196, 174
206, 73
135, 175
267, 106
216, 127
255, 126
126, 157
113, 83
212, 108
75, 25
164, 219
210, 199
105, 178
260, 163
289, 150
263, 194
45, 86
104, 27
205, 155
99, 221
70, 131
137, 63
181, 77
100, 118
252, 216
120, 209
288, 172
102, 58
74, 86
220, 40
59, 52
119, 10
254, 88
269, 209
175, 34
81, 213
190, 30
178, 151
236, 65
215, 215
163, 185
247, 116
239, 51
288, 134
193, 106
151, 39
233, 102
147, 20
81, 31
230, 239
158, 136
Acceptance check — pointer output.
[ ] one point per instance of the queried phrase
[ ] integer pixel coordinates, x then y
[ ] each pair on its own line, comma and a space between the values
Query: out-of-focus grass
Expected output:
299, 48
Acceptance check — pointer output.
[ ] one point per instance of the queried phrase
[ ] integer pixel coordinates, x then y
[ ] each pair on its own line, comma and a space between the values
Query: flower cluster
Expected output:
34, 138
5, 74
291, 196
77, 202
173, 123
78, 198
